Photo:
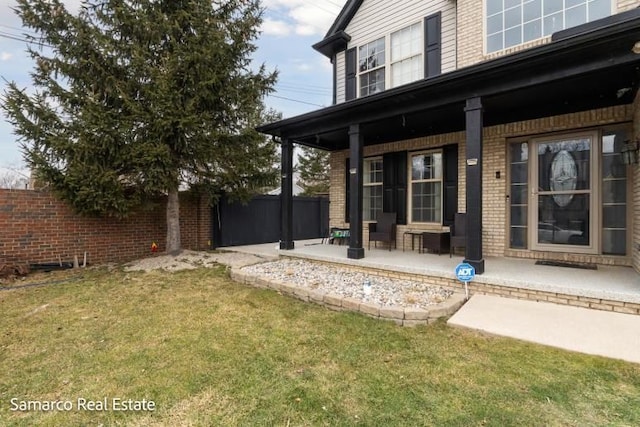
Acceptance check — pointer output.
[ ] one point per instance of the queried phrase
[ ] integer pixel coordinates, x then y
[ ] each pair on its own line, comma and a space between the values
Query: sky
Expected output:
288, 30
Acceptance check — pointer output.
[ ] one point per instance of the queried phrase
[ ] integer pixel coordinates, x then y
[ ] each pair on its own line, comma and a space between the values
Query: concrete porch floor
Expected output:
607, 282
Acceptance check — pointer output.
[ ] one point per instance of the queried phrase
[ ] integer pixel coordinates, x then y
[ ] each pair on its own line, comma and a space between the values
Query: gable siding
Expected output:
471, 32
377, 18
340, 81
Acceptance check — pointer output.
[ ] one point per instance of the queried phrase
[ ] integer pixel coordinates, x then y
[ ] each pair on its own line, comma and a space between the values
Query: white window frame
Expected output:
419, 55
388, 63
521, 24
412, 181
374, 69
366, 213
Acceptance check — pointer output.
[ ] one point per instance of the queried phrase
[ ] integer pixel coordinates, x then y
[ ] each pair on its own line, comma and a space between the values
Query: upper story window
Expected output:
403, 56
513, 22
371, 60
406, 55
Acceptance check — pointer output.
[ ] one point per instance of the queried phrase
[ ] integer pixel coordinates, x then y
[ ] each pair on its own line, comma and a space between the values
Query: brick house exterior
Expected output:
515, 115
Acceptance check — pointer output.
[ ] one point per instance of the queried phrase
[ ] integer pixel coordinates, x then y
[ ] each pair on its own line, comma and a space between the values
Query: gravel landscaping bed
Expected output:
351, 284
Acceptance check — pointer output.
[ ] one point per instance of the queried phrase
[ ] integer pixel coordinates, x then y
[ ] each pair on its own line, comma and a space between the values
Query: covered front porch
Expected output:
583, 73
609, 288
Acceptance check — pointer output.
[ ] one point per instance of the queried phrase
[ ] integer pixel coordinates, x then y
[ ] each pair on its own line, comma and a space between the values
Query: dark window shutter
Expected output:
347, 192
350, 74
432, 42
394, 184
401, 187
450, 154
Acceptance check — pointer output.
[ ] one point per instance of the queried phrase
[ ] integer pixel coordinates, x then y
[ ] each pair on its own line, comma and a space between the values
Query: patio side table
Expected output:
413, 235
436, 241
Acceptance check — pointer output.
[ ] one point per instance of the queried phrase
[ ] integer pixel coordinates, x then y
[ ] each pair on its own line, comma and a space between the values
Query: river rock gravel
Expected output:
351, 284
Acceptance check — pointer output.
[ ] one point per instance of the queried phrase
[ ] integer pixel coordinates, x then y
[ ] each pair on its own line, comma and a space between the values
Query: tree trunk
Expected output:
173, 223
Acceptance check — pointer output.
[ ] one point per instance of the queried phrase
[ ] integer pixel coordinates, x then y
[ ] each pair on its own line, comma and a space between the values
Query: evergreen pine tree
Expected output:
313, 166
138, 98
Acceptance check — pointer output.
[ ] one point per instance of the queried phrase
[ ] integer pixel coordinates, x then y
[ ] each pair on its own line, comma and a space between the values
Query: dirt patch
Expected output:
9, 271
189, 260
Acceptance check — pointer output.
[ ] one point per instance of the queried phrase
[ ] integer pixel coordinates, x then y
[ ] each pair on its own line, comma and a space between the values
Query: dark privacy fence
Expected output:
235, 224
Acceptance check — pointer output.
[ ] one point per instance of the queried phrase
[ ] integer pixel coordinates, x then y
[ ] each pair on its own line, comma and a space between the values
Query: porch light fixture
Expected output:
636, 48
629, 152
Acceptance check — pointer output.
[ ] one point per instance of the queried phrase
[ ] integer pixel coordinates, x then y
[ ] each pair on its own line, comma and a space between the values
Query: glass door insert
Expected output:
563, 197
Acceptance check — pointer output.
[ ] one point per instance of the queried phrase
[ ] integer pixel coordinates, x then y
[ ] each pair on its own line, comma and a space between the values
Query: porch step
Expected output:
602, 333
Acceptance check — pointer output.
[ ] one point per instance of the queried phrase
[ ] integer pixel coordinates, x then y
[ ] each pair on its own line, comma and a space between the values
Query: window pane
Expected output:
426, 202
518, 194
532, 30
511, 3
614, 242
372, 171
519, 215
612, 166
371, 55
513, 37
494, 6
494, 24
599, 9
564, 165
372, 82
519, 173
575, 16
552, 6
565, 225
406, 42
513, 17
406, 71
426, 166
518, 238
614, 191
371, 202
519, 152
614, 216
612, 143
552, 24
532, 10
494, 43
571, 3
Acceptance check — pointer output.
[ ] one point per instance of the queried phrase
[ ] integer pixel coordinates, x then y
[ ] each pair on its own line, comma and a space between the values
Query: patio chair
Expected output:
458, 233
384, 230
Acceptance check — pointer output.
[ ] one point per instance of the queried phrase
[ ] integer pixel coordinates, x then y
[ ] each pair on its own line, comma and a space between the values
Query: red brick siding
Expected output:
35, 227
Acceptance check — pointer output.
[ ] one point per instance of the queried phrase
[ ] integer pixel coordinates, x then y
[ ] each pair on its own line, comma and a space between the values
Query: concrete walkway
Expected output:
602, 333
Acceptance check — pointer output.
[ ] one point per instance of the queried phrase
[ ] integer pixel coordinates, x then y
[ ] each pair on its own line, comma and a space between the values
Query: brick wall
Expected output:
471, 32
35, 227
495, 209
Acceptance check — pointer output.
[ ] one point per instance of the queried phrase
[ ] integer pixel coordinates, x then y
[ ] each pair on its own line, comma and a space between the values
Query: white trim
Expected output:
388, 62
410, 182
371, 184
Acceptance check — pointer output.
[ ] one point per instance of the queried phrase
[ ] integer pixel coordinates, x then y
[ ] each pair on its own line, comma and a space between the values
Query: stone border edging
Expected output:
405, 316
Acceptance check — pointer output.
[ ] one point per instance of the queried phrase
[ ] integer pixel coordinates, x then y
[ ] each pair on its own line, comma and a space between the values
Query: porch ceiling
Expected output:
592, 69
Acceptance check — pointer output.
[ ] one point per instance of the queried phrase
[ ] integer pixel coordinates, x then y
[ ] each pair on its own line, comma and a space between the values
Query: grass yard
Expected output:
208, 351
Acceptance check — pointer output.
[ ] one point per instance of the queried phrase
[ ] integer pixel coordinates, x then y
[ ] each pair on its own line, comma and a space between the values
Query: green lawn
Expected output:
208, 351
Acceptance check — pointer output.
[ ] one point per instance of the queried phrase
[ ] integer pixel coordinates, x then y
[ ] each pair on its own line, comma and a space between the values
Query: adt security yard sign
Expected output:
465, 273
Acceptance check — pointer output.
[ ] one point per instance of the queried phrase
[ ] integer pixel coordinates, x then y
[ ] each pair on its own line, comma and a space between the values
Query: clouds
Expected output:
300, 17
272, 27
5, 56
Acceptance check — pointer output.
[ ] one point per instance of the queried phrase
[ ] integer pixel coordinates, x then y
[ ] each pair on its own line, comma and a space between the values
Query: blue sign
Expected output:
465, 272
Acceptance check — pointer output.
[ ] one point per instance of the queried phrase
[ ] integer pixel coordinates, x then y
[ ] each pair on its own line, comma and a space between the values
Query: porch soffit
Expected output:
593, 69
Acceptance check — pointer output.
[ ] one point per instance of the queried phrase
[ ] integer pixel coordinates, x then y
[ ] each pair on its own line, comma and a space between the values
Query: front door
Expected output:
563, 196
